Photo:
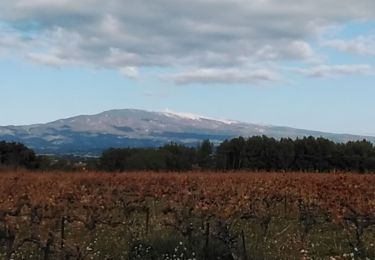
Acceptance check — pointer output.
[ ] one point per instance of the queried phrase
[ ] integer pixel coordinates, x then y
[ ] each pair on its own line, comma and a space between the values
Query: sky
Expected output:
303, 64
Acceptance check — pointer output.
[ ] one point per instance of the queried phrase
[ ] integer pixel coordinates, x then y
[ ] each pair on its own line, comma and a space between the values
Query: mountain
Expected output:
91, 134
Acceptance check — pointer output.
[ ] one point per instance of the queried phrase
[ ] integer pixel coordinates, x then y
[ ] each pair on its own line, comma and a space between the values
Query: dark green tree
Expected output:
16, 155
205, 153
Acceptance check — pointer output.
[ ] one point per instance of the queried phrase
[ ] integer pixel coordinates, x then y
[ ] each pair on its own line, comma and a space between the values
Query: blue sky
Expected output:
305, 65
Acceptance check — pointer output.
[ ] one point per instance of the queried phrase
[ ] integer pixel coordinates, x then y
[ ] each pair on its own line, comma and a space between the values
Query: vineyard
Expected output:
187, 216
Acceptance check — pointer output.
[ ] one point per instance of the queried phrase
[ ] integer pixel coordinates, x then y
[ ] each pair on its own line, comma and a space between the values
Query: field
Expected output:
187, 216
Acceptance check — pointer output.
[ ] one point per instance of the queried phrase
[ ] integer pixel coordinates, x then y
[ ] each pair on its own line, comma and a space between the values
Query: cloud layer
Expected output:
330, 71
360, 45
224, 76
206, 40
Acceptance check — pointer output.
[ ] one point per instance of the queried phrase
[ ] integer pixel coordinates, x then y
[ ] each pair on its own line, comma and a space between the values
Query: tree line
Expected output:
257, 153
306, 154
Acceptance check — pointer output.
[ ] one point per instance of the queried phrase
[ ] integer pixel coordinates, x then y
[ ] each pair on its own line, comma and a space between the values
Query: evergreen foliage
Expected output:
258, 153
14, 155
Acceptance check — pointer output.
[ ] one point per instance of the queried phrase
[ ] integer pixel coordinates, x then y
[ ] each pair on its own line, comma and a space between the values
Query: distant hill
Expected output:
90, 134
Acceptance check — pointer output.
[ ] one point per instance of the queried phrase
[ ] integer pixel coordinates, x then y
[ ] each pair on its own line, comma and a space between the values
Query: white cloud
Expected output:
362, 45
47, 59
212, 36
298, 50
130, 72
11, 41
330, 71
223, 76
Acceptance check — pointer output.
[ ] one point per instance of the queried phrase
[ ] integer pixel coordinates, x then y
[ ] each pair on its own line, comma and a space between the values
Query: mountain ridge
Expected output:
90, 134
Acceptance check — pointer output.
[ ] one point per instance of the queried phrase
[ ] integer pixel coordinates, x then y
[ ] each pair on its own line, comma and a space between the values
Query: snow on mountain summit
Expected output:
188, 116
191, 116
